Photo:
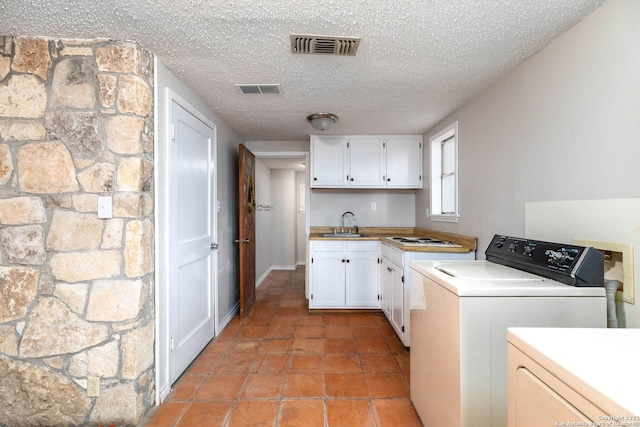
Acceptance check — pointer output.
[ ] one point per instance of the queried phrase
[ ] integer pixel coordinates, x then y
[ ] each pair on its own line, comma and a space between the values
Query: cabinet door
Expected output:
387, 283
397, 299
366, 162
404, 163
362, 287
329, 162
327, 280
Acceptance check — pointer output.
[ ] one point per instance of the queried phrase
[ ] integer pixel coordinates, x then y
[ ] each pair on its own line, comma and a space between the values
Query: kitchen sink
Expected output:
343, 235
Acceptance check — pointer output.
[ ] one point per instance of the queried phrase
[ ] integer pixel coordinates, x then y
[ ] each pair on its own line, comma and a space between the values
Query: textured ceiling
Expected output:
418, 60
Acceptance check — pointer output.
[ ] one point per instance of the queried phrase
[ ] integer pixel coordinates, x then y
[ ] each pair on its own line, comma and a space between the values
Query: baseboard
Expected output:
163, 393
264, 276
283, 267
223, 324
301, 263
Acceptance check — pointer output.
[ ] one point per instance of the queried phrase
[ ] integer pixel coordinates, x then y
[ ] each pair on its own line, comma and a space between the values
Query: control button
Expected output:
528, 250
557, 257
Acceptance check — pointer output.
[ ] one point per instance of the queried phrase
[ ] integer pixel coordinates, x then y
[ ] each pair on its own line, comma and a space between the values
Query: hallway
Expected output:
284, 366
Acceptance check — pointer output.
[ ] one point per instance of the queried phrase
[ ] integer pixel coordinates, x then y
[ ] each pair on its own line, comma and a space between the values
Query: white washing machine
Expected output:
460, 312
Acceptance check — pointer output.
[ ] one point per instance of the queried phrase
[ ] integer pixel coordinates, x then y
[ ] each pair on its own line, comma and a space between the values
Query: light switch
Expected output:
373, 206
105, 207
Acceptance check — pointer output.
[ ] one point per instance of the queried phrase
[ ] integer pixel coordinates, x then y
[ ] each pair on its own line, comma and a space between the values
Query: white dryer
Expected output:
460, 312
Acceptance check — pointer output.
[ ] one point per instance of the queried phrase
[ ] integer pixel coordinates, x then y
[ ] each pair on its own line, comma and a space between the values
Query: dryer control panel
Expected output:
566, 263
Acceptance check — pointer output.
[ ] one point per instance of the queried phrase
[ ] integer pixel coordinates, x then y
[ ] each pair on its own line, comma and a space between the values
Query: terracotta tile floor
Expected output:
284, 366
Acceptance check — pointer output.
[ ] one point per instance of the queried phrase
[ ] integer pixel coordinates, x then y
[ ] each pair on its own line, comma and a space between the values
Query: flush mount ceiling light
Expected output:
322, 121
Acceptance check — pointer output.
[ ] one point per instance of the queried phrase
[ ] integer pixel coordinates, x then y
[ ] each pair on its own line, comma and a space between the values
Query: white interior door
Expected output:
192, 237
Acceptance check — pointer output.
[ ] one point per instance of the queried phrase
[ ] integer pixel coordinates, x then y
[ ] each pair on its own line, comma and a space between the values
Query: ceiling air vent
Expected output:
325, 45
266, 89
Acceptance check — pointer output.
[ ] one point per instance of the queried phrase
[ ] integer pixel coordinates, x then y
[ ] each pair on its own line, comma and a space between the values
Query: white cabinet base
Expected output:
344, 274
396, 267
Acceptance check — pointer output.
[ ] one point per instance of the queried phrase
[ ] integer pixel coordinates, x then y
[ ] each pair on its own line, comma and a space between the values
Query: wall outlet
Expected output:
105, 207
93, 386
373, 206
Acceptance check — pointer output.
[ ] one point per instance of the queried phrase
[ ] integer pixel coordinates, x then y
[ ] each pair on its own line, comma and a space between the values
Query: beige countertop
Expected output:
383, 234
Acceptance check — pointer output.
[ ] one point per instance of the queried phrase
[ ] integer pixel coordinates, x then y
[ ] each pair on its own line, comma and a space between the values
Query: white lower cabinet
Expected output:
344, 274
396, 287
393, 294
327, 280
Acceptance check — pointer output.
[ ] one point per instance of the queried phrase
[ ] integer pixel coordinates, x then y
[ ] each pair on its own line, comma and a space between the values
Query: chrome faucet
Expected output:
354, 221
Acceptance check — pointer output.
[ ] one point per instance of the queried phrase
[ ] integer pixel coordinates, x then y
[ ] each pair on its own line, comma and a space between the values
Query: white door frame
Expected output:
162, 285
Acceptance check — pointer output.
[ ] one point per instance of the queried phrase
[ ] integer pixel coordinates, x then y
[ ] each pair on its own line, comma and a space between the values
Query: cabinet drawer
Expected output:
328, 246
362, 246
393, 254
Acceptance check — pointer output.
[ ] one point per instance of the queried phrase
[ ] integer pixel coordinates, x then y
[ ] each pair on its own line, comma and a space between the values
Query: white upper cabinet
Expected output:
404, 163
329, 162
366, 161
373, 161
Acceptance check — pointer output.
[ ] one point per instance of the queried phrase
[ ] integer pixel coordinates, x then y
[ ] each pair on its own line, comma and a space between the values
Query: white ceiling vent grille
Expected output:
266, 89
325, 45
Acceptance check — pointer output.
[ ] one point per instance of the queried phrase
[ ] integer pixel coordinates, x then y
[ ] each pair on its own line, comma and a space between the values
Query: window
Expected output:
443, 152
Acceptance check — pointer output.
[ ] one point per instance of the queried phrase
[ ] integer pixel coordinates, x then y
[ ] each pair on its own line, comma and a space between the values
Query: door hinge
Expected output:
379, 261
379, 297
172, 132
171, 343
384, 144
420, 178
402, 279
311, 296
347, 145
403, 329
420, 145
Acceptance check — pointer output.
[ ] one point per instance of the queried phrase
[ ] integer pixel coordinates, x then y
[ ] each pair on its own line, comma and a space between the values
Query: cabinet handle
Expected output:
348, 261
388, 179
315, 179
351, 179
343, 260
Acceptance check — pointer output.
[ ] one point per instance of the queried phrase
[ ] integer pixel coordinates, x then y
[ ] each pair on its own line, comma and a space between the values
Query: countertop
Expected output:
602, 361
384, 234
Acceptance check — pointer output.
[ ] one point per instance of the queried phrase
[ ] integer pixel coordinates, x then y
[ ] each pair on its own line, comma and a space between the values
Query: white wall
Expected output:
565, 125
264, 234
608, 221
394, 208
283, 192
562, 126
301, 235
227, 172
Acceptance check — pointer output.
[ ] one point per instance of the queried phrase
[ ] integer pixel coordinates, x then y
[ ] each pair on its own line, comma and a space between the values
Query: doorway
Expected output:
187, 299
282, 224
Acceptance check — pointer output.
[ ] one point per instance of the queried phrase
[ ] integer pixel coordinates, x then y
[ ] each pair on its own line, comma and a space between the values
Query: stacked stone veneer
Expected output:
76, 291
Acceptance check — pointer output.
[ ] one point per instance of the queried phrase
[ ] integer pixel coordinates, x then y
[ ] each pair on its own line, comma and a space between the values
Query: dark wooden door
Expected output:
247, 229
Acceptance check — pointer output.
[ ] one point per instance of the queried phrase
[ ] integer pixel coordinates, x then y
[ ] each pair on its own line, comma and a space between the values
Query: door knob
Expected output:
214, 246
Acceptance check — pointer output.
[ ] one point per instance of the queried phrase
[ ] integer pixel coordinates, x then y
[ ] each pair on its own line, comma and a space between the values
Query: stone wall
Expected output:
76, 291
